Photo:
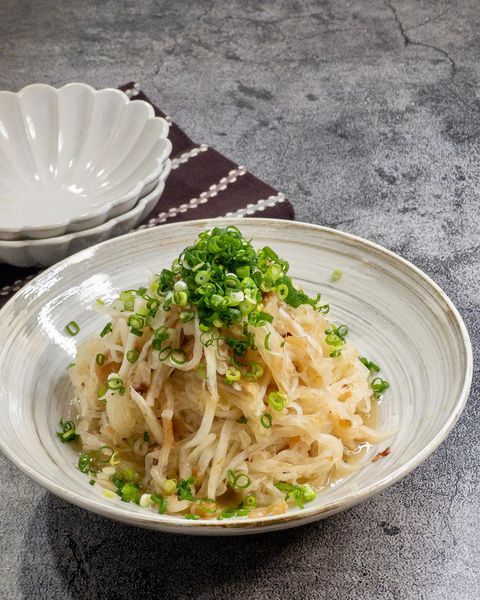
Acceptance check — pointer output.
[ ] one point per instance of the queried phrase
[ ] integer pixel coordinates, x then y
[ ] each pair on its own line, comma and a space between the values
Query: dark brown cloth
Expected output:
202, 184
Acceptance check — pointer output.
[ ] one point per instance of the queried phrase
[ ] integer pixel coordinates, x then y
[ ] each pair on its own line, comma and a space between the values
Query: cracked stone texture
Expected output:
366, 114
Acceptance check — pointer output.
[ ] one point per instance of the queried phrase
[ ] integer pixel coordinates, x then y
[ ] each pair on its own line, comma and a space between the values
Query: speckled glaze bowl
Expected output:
397, 316
74, 157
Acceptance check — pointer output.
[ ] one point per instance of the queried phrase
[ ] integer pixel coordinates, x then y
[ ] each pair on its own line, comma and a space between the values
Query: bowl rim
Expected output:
103, 210
260, 524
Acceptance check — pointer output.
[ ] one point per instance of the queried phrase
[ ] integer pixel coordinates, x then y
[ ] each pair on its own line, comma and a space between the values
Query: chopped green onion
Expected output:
277, 401
136, 322
256, 371
115, 383
243, 420
266, 342
131, 493
72, 328
229, 513
238, 480
299, 493
160, 502
106, 329
207, 505
127, 475
180, 298
101, 457
132, 355
85, 462
232, 374
192, 517
169, 486
164, 353
282, 291
102, 390
153, 305
371, 366
336, 275
243, 271
92, 482
378, 386
186, 317
250, 501
100, 359
202, 277
342, 330
146, 436
68, 431
71, 365
266, 420
178, 356
114, 460
184, 489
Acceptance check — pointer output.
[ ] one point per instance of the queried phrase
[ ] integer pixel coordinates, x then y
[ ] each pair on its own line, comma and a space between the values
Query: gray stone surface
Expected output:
367, 115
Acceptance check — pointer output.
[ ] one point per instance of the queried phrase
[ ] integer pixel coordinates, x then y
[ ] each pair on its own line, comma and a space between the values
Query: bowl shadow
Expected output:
80, 555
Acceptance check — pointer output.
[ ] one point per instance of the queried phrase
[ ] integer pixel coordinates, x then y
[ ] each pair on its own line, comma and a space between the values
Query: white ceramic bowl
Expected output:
74, 157
46, 252
397, 316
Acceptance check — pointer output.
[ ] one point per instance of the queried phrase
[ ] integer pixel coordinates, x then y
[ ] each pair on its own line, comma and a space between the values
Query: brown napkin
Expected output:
202, 184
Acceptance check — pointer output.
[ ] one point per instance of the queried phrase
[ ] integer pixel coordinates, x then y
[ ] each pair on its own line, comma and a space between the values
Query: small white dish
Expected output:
397, 316
74, 157
46, 252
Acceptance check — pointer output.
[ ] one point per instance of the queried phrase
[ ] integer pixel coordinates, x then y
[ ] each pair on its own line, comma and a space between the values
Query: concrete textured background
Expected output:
367, 115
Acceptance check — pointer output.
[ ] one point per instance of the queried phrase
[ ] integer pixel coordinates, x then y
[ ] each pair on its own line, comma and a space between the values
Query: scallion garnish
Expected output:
132, 355
232, 374
229, 513
164, 353
115, 384
266, 420
335, 336
178, 356
250, 501
371, 366
379, 385
192, 517
266, 342
146, 436
254, 373
185, 489
102, 390
336, 275
106, 329
238, 480
130, 492
223, 278
105, 453
68, 431
160, 502
72, 328
277, 401
299, 493
100, 359
85, 462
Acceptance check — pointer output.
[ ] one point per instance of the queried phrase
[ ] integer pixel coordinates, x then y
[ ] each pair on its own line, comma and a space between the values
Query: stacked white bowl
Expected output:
77, 166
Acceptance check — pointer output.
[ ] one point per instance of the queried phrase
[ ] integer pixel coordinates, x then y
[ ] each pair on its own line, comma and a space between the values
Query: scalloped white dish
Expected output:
396, 315
74, 157
46, 252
